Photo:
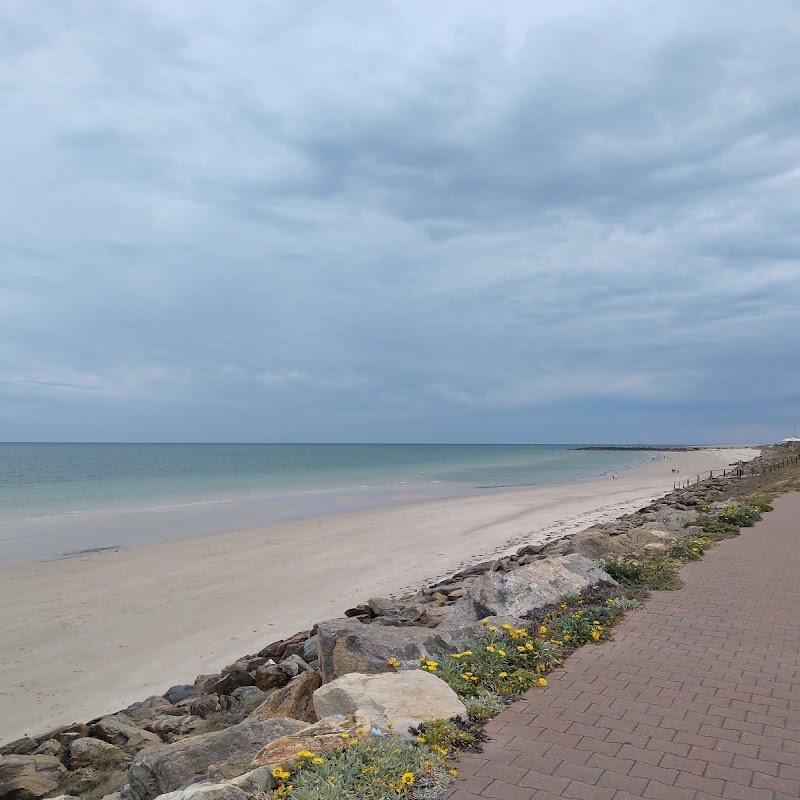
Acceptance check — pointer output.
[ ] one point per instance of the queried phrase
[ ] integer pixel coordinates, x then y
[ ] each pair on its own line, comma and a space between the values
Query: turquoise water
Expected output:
46, 479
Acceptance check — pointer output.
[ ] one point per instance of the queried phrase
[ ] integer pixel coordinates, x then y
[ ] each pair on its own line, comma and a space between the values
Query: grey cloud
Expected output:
308, 222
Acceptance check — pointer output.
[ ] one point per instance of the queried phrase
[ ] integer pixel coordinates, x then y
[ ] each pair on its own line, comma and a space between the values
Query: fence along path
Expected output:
696, 698
738, 470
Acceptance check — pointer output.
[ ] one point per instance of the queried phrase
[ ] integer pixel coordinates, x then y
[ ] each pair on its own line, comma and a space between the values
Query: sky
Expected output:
400, 221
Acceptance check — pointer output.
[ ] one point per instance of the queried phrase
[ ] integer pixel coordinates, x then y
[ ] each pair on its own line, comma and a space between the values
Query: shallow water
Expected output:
58, 499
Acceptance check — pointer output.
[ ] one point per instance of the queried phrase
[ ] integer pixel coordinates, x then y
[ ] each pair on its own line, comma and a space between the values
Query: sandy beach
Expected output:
84, 636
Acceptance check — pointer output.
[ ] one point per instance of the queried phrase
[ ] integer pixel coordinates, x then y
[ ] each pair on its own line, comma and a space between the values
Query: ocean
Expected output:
62, 499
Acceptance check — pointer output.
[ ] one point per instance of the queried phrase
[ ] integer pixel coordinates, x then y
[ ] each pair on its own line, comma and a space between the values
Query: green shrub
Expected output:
655, 573
384, 768
504, 662
623, 603
484, 705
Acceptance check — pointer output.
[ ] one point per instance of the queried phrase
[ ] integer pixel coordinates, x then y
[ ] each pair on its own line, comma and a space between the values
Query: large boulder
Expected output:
85, 752
206, 791
327, 734
219, 754
396, 701
347, 645
119, 730
294, 700
597, 545
675, 519
29, 777
522, 591
651, 538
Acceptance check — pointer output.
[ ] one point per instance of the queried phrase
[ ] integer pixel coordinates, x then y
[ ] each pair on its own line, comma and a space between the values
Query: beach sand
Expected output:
85, 636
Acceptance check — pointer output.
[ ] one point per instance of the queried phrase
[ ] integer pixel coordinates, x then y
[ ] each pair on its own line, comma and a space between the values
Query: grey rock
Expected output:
204, 705
181, 692
207, 791
233, 680
248, 694
257, 780
270, 677
20, 747
50, 747
293, 666
28, 777
206, 683
293, 700
310, 648
345, 645
87, 751
119, 730
597, 545
221, 754
522, 591
391, 701
381, 607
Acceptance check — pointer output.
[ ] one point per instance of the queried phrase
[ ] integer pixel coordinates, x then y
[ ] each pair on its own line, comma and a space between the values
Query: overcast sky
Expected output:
399, 221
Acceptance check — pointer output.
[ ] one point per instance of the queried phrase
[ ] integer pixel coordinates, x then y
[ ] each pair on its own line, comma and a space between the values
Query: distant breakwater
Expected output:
637, 448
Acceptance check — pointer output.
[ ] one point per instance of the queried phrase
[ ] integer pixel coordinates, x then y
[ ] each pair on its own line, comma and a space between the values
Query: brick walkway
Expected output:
697, 697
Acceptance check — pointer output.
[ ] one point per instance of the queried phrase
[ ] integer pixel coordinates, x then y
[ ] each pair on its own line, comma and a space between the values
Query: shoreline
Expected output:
65, 534
73, 649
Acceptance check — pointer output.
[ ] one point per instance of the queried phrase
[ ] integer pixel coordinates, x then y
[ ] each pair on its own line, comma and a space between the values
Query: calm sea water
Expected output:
45, 479
59, 498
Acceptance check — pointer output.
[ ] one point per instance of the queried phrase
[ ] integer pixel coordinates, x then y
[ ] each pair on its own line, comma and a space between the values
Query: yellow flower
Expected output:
520, 648
542, 681
493, 628
454, 772
595, 622
467, 653
420, 740
566, 637
304, 754
485, 621
345, 735
522, 632
543, 629
503, 675
393, 662
359, 730
317, 761
501, 653
506, 627
280, 773
595, 635
489, 648
528, 646
456, 655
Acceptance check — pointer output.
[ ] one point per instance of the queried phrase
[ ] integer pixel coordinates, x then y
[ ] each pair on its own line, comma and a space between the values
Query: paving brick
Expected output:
507, 791
585, 791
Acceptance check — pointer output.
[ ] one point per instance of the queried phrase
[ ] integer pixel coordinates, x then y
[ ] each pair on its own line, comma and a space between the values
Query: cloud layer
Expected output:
399, 222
